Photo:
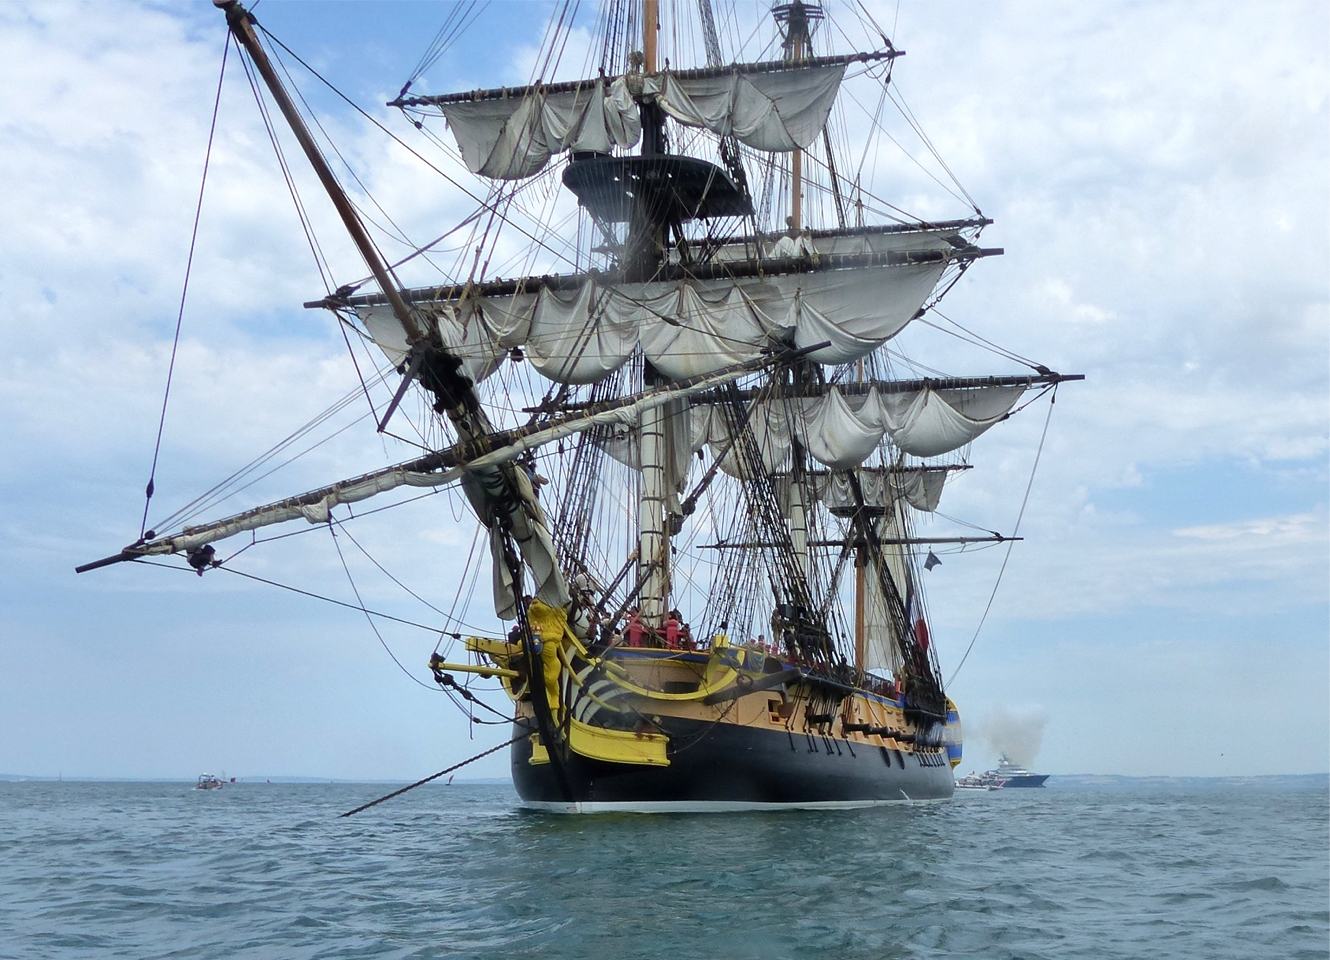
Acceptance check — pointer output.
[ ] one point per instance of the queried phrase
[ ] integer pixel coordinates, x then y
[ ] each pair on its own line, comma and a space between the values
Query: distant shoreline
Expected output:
1059, 781
23, 778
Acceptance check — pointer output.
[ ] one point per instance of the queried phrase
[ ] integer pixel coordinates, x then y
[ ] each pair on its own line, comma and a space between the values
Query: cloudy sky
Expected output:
1158, 177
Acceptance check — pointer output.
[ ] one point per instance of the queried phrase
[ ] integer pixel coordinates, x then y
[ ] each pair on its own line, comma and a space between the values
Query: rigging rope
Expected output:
180, 314
372, 625
303, 593
454, 25
492, 207
1026, 499
421, 783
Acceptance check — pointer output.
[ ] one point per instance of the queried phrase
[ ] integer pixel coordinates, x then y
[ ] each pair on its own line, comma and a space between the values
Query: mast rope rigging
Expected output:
1016, 529
226, 489
461, 583
361, 606
898, 99
454, 26
929, 173
184, 290
982, 341
304, 593
447, 683
384, 571
396, 233
306, 225
863, 14
486, 204
357, 284
342, 324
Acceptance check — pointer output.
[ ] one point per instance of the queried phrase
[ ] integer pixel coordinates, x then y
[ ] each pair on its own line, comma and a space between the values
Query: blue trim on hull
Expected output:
1029, 780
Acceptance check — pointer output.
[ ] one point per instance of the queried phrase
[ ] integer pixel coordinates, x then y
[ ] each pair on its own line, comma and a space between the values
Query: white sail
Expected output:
685, 328
881, 648
920, 488
775, 111
812, 245
929, 423
841, 432
509, 138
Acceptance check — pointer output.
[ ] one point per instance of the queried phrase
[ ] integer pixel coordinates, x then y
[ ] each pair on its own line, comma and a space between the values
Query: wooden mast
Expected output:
860, 564
653, 548
797, 165
650, 27
797, 38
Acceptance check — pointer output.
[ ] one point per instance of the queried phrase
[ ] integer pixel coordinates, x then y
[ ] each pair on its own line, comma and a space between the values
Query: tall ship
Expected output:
661, 374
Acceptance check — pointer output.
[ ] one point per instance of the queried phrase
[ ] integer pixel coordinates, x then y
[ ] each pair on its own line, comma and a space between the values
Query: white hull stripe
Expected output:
707, 806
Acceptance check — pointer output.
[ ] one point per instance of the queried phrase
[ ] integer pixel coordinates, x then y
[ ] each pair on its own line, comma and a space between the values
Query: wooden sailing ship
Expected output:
716, 601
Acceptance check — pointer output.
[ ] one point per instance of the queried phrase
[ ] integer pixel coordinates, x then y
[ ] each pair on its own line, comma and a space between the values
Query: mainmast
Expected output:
860, 565
653, 549
795, 17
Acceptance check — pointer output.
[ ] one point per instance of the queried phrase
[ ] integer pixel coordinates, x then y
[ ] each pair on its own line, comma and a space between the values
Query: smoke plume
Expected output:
1017, 732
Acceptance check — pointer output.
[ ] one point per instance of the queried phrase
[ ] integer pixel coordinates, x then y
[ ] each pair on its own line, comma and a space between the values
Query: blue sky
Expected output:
1158, 174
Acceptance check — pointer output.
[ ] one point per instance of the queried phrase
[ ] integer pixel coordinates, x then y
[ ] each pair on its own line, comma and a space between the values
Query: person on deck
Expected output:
672, 630
636, 631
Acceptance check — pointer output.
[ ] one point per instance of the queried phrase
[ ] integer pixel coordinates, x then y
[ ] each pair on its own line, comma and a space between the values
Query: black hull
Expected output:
717, 766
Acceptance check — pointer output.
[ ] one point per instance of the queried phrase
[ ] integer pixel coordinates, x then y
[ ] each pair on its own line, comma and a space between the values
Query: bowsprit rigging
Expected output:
677, 451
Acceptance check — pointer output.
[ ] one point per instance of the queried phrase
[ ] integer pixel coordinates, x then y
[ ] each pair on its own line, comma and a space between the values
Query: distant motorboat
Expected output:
1006, 775
208, 782
1014, 775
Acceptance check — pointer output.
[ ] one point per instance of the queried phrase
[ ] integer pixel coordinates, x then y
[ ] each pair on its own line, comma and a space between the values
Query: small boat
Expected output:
979, 781
208, 782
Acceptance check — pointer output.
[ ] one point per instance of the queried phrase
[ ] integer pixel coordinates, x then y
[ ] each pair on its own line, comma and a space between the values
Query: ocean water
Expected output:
1133, 870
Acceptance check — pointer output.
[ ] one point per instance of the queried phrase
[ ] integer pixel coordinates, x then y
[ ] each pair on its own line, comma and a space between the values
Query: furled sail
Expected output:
838, 432
933, 422
508, 138
511, 133
882, 487
685, 328
774, 111
920, 487
841, 432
